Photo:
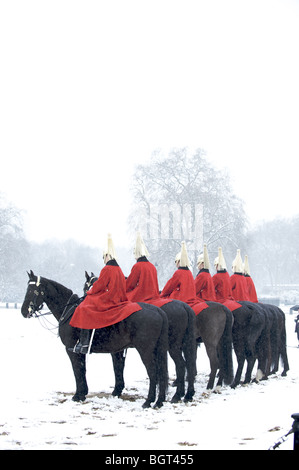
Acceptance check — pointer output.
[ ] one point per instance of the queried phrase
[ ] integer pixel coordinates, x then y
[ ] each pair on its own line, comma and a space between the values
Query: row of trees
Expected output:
64, 261
175, 183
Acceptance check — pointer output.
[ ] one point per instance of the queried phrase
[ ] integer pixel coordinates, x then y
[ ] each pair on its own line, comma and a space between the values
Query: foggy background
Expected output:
92, 91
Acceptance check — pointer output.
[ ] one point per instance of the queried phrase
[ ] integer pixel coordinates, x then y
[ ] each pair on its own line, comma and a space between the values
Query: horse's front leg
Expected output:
118, 360
79, 369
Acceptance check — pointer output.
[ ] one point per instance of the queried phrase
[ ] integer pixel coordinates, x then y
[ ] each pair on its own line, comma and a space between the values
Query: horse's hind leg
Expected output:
118, 360
285, 361
250, 364
236, 381
148, 359
214, 364
176, 354
190, 361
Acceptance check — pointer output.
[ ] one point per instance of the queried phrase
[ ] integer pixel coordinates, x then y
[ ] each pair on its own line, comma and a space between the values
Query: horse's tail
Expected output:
161, 358
283, 344
226, 349
257, 345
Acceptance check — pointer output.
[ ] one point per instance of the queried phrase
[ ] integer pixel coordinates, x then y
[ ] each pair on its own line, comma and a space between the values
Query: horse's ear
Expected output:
31, 274
86, 275
92, 274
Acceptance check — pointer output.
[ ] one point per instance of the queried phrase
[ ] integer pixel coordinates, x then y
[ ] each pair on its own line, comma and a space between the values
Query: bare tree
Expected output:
187, 180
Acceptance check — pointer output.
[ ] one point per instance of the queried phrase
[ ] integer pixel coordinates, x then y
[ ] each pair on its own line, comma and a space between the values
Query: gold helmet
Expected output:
182, 257
220, 261
204, 258
140, 248
238, 263
110, 248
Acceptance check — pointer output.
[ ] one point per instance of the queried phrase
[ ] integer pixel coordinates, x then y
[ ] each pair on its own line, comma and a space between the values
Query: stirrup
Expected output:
79, 348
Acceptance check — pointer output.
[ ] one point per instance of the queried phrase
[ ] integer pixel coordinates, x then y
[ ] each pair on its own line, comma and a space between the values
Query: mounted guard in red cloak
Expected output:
238, 281
181, 286
106, 303
204, 285
142, 283
222, 284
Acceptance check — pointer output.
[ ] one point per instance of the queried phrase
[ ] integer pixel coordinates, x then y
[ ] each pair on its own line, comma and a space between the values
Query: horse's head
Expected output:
89, 281
34, 297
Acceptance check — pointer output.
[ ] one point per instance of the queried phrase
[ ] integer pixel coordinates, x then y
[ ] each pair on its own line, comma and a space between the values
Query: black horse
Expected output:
145, 330
259, 333
250, 333
212, 326
277, 339
181, 341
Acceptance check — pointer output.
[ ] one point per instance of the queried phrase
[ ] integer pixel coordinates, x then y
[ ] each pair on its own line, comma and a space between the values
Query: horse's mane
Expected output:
57, 286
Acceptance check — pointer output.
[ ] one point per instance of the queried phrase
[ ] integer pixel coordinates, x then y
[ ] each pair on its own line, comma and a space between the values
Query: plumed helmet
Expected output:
220, 261
204, 258
182, 256
110, 248
246, 266
238, 263
140, 248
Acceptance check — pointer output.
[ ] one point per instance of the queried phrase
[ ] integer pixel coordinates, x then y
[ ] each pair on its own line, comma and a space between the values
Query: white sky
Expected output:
88, 89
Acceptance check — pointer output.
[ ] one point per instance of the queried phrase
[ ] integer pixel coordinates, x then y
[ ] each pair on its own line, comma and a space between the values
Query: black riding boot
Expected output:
83, 345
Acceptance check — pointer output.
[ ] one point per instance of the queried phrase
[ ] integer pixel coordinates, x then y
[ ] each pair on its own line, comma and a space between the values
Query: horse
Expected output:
145, 330
213, 326
249, 331
277, 339
181, 347
259, 333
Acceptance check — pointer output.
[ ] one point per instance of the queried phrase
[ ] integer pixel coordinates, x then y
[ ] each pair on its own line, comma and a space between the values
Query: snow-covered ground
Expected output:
37, 412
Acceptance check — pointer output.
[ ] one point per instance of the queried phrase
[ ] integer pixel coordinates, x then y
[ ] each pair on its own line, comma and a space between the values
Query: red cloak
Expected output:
223, 290
204, 286
251, 289
142, 284
106, 302
181, 287
239, 287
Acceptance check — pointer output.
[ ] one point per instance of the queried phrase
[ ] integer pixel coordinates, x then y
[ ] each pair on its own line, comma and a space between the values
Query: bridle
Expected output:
36, 306
89, 283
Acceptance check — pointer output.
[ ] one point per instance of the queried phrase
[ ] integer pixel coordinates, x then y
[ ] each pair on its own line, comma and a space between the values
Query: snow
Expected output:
37, 411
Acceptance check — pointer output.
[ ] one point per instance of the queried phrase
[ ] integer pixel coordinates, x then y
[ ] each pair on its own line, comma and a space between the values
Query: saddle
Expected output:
70, 308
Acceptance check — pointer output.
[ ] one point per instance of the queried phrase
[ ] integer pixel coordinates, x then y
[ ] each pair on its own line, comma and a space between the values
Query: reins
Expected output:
45, 322
37, 314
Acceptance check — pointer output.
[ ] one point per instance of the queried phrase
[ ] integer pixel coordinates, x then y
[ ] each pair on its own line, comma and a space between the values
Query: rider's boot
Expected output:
82, 346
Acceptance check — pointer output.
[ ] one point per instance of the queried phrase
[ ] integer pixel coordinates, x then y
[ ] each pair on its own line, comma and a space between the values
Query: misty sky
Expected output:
89, 89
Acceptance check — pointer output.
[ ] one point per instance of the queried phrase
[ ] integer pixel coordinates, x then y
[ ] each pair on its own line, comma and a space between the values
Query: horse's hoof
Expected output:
78, 398
158, 404
175, 399
188, 398
146, 404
